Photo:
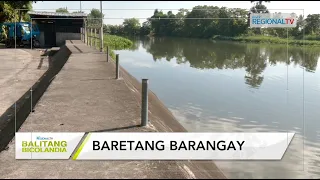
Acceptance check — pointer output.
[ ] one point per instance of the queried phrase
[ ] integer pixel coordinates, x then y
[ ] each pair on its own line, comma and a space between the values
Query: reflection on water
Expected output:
229, 87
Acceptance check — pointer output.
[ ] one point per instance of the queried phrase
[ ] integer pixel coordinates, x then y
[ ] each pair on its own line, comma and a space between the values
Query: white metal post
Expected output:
101, 30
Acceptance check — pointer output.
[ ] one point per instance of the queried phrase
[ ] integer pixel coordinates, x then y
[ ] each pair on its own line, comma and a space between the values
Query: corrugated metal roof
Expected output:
57, 14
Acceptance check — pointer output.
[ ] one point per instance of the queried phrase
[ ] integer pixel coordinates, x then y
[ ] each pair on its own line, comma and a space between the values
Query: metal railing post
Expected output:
84, 31
101, 29
144, 104
85, 35
95, 38
107, 53
81, 34
101, 40
87, 32
91, 37
117, 66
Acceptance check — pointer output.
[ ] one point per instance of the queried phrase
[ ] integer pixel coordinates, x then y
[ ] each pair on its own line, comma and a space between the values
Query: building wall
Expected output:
61, 37
54, 31
41, 39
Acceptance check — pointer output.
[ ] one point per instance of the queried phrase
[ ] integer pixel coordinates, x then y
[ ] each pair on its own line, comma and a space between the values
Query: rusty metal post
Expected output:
84, 30
95, 38
107, 53
144, 105
87, 32
117, 66
81, 33
91, 37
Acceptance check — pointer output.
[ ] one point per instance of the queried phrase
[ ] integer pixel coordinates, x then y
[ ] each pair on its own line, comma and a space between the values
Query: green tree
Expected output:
312, 24
131, 26
259, 2
145, 28
158, 24
106, 29
94, 18
78, 12
62, 10
258, 8
297, 31
3, 34
7, 13
20, 8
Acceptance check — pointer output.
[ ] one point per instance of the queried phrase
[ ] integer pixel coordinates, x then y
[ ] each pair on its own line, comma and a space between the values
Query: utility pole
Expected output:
101, 30
85, 26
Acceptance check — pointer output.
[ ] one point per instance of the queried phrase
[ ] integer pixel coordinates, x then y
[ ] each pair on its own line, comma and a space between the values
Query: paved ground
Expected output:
84, 96
19, 70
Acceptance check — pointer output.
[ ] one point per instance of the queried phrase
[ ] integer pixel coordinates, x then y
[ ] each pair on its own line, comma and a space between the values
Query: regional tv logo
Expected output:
44, 138
275, 20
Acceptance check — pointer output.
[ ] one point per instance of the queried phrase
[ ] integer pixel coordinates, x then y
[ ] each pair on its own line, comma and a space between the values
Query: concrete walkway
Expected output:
85, 97
19, 70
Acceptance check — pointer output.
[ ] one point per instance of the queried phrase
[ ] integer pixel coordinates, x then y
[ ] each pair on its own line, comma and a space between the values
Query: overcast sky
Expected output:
116, 11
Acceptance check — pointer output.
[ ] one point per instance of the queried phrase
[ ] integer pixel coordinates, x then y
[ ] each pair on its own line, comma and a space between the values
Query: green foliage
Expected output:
312, 24
131, 26
11, 11
145, 28
94, 18
3, 34
114, 43
7, 13
198, 23
62, 10
78, 12
21, 8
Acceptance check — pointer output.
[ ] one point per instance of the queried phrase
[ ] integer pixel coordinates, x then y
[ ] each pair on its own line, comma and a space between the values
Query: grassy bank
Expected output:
114, 43
270, 40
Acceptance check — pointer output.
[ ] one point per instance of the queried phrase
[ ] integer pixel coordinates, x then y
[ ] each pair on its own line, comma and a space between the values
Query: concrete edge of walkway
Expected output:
12, 119
163, 120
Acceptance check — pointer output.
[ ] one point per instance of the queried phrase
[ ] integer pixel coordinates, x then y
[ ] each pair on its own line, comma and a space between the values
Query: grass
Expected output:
312, 37
309, 41
114, 43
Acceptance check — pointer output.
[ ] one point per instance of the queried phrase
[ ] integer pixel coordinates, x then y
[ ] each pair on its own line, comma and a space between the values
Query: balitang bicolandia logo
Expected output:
44, 145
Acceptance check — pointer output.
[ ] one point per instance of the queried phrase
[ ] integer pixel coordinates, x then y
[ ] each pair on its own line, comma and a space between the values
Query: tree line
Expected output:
208, 21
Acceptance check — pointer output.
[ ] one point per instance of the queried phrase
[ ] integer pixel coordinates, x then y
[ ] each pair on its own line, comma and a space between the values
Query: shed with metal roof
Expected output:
55, 28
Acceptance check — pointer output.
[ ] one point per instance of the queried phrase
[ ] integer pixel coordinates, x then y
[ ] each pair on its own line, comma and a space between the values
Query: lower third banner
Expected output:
152, 146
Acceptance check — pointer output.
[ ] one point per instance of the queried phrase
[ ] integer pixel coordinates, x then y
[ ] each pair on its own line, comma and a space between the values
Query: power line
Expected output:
168, 9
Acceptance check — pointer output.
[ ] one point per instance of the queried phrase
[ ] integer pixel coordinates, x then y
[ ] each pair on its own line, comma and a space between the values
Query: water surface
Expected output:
238, 87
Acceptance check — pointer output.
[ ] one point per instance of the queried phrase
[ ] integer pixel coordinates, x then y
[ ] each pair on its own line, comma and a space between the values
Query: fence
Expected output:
90, 36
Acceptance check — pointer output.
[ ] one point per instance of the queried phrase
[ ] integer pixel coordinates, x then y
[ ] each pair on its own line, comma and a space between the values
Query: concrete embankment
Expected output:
20, 70
86, 97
